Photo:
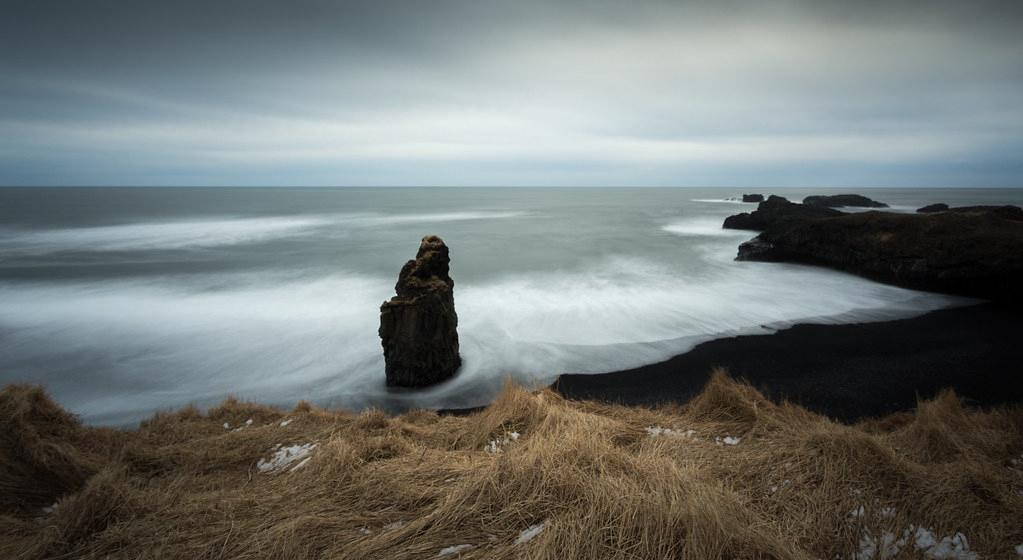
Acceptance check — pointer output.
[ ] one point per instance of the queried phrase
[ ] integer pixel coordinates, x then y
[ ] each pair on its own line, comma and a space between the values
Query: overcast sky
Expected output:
517, 92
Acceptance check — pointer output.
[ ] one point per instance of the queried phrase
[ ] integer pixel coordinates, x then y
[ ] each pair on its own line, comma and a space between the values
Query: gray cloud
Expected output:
529, 92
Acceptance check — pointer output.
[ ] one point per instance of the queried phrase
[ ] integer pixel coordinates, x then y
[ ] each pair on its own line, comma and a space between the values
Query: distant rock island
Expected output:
974, 251
939, 207
418, 327
776, 209
752, 198
839, 200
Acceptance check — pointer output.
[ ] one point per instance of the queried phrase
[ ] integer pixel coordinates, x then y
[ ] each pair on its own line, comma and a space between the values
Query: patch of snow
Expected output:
884, 547
530, 532
727, 440
955, 547
284, 456
227, 426
654, 431
284, 423
50, 509
857, 512
248, 422
495, 445
888, 512
454, 549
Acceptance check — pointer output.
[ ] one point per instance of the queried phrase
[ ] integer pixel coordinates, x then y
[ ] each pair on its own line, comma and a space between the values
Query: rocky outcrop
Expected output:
839, 200
418, 327
930, 208
973, 251
1007, 212
774, 210
752, 198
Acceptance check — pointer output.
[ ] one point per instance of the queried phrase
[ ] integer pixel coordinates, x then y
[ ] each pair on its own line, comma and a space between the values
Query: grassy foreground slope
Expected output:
730, 475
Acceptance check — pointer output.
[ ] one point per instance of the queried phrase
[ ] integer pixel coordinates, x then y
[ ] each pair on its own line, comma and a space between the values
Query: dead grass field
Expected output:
730, 475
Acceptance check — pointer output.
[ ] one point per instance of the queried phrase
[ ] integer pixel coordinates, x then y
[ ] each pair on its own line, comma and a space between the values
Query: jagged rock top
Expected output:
776, 209
839, 200
428, 271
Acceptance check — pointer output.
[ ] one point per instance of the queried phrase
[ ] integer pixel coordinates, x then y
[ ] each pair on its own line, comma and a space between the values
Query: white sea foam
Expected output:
703, 226
155, 345
211, 232
157, 235
721, 200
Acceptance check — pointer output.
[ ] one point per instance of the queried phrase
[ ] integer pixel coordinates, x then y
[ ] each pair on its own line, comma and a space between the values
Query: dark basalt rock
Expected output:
1007, 212
752, 198
777, 209
838, 200
930, 208
418, 327
972, 251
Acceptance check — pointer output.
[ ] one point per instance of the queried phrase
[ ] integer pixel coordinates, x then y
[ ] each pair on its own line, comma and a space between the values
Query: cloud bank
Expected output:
531, 92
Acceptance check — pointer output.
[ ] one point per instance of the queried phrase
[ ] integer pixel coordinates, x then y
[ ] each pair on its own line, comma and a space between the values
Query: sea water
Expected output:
125, 301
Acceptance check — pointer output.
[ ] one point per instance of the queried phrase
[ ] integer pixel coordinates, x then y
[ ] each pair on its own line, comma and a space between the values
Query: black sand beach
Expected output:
847, 372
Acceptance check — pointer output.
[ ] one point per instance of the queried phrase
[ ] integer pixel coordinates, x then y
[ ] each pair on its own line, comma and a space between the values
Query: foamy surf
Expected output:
281, 340
224, 231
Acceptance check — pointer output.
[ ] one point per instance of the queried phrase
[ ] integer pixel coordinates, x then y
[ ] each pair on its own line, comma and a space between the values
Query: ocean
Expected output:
126, 301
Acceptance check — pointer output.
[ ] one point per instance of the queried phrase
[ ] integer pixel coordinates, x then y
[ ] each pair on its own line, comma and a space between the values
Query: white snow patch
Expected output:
530, 532
284, 423
284, 456
239, 428
495, 445
227, 426
775, 487
857, 512
727, 440
887, 546
454, 549
654, 431
884, 547
955, 547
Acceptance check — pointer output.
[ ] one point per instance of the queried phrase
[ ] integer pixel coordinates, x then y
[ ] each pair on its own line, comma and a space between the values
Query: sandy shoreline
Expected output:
847, 371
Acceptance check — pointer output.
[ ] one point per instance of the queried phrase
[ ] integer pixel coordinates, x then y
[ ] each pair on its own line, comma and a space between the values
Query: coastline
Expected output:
845, 371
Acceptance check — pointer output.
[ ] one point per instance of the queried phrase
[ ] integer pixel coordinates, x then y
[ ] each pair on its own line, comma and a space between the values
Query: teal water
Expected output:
126, 301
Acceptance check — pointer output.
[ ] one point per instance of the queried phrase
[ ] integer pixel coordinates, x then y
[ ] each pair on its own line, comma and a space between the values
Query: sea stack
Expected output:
418, 327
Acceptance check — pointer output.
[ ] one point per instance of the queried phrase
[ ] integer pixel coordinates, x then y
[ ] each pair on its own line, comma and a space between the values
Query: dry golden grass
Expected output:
183, 486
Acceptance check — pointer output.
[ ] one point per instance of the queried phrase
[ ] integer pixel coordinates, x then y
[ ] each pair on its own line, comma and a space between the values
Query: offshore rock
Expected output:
774, 210
752, 198
974, 251
837, 200
930, 208
418, 327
